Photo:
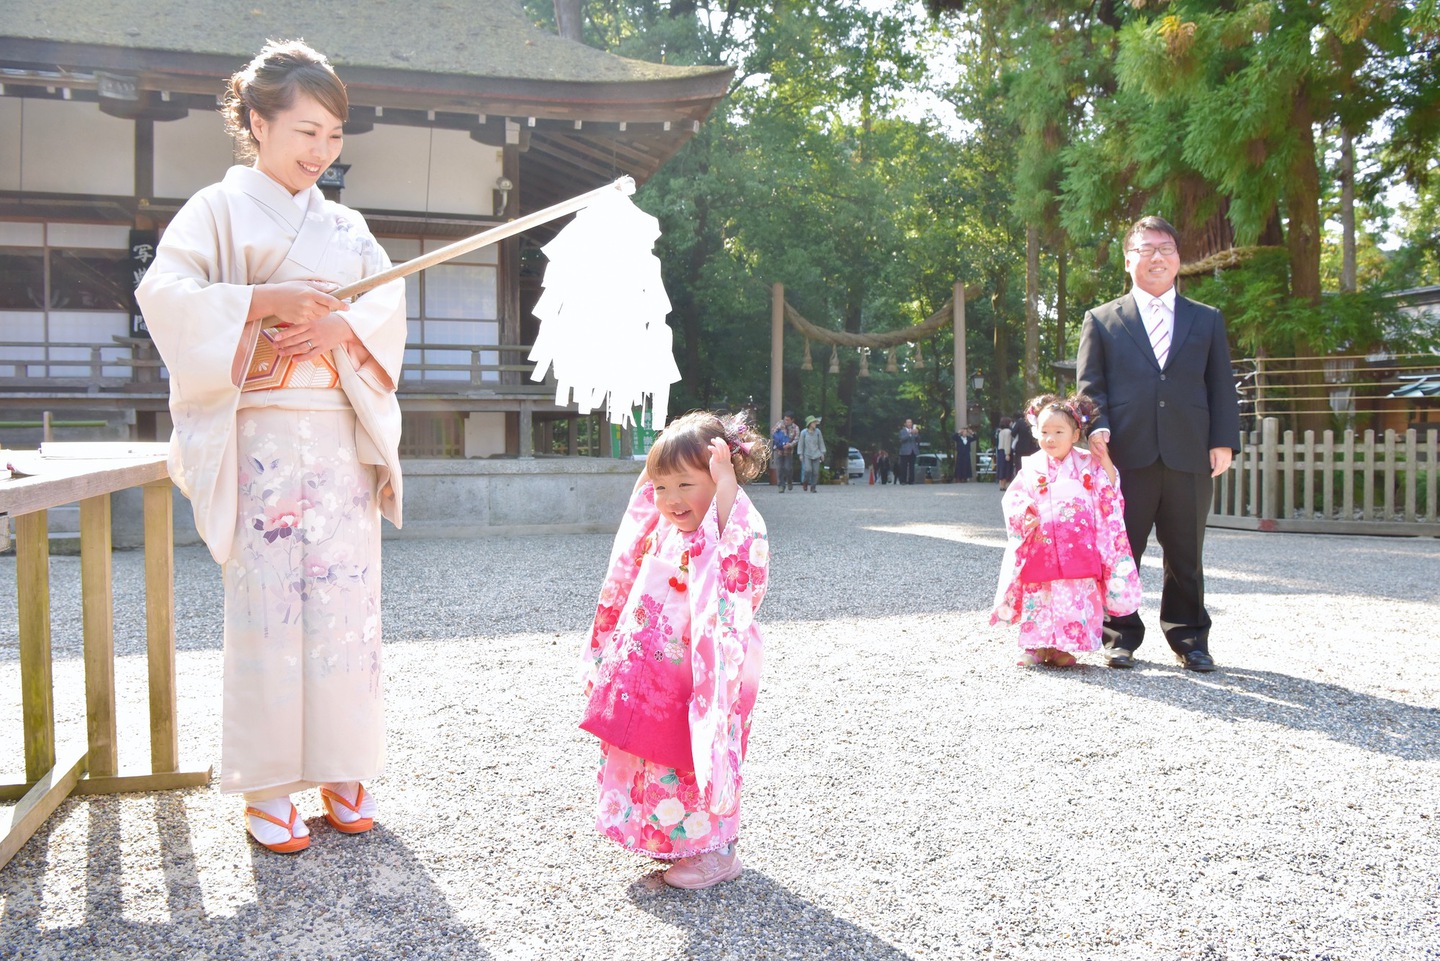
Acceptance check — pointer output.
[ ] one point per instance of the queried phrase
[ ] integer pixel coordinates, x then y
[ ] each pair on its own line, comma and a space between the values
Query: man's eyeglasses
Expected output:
1148, 250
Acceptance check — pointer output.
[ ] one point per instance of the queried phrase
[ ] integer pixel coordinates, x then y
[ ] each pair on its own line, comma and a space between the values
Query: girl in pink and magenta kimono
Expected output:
673, 662
1068, 562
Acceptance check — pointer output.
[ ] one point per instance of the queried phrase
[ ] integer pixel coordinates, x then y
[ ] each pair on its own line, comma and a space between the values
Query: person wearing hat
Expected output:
812, 454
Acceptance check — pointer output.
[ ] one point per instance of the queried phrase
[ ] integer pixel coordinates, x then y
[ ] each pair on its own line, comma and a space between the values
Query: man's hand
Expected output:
1100, 445
1220, 460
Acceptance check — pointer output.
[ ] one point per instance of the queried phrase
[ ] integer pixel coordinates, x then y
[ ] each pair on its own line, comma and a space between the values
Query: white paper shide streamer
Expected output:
602, 314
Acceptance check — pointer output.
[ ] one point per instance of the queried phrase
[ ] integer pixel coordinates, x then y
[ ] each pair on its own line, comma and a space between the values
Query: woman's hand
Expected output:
294, 302
311, 339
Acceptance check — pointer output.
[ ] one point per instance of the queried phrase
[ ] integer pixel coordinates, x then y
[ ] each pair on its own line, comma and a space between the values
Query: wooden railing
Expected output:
138, 357
24, 502
1356, 484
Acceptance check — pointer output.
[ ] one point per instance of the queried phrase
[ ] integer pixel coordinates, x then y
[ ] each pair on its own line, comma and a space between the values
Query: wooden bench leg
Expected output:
160, 625
97, 595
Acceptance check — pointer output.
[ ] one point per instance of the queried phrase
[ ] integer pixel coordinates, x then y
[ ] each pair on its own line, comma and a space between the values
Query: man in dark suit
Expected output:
1158, 366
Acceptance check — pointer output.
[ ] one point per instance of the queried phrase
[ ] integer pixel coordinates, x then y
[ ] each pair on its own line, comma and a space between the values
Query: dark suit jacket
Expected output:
1176, 415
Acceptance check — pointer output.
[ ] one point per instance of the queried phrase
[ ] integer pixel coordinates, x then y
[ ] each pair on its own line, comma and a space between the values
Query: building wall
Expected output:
415, 169
403, 170
190, 153
65, 146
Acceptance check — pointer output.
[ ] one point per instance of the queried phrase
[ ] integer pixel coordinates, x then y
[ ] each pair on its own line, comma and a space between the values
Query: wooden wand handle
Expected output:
625, 185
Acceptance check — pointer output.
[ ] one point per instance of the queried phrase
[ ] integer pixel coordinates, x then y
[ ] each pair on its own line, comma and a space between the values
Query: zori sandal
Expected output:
358, 824
290, 846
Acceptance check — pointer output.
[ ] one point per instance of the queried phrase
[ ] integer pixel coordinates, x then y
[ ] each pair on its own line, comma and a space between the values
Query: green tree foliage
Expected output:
1077, 118
805, 176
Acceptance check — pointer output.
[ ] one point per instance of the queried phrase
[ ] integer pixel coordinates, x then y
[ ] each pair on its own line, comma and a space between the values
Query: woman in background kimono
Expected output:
1068, 561
286, 435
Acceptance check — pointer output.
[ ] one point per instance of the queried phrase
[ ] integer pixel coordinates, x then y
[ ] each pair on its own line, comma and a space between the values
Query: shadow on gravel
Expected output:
1240, 694
755, 917
344, 897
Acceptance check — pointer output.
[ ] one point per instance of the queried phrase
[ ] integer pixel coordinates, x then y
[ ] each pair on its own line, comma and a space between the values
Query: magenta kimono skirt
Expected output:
673, 666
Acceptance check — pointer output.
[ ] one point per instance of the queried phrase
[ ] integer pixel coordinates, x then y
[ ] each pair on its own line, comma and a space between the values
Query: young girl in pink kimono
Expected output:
673, 662
1068, 561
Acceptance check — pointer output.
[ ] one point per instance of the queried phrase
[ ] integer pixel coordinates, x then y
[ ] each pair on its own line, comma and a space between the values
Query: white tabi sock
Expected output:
348, 790
268, 833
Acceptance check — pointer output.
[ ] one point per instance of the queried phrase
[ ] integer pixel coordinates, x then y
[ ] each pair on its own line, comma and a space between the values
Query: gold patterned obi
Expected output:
271, 370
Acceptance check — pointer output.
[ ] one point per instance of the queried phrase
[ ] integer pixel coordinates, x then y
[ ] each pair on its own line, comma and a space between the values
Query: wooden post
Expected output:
1270, 468
1412, 469
602, 424
527, 430
1432, 474
1287, 468
160, 624
97, 598
1368, 488
32, 583
777, 355
962, 373
1307, 498
1387, 497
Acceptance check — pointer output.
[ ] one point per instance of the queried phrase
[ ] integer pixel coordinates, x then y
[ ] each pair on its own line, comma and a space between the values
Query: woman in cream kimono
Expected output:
286, 443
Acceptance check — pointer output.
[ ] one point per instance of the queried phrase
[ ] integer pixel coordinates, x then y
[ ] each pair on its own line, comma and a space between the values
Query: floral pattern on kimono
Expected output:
707, 619
303, 700
1077, 506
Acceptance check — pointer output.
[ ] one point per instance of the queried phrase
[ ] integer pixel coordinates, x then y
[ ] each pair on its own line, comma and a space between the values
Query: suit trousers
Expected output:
1175, 504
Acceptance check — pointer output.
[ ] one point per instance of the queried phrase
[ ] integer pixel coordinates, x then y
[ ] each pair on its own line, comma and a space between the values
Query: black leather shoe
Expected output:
1119, 657
1196, 661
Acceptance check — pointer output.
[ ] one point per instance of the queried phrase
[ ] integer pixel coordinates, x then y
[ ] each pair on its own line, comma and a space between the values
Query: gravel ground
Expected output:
910, 792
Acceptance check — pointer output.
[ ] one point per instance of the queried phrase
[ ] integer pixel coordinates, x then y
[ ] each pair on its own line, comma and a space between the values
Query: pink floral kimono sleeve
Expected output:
637, 529
1120, 579
729, 573
1019, 500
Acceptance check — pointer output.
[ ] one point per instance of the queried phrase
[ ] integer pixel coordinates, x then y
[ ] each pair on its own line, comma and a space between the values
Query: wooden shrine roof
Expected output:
582, 115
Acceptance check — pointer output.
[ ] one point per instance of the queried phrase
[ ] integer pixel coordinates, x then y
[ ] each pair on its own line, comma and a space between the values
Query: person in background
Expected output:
882, 465
964, 454
1004, 440
1022, 444
811, 450
908, 449
783, 440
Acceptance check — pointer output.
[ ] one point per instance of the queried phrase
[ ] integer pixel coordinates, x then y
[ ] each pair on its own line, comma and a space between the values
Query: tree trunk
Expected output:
1347, 210
1302, 204
1032, 310
1001, 373
568, 22
1062, 310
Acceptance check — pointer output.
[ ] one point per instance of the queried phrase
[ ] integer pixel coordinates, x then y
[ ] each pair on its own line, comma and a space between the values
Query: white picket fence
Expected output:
1353, 484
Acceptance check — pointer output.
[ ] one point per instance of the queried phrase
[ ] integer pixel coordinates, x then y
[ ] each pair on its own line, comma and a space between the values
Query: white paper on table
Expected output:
101, 450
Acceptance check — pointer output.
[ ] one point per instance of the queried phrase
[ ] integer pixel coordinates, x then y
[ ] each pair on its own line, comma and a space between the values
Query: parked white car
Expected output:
855, 464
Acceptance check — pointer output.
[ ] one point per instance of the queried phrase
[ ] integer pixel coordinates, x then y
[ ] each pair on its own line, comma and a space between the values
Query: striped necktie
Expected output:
1159, 332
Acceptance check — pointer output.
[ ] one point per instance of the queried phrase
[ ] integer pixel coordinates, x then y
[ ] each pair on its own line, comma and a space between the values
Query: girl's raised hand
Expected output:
722, 471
